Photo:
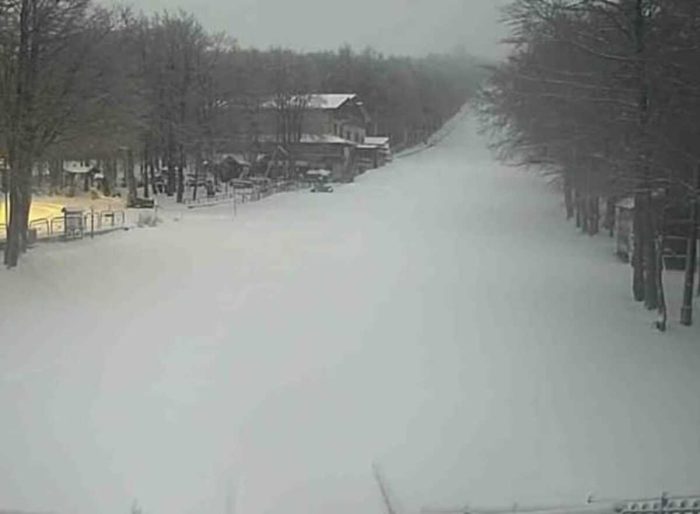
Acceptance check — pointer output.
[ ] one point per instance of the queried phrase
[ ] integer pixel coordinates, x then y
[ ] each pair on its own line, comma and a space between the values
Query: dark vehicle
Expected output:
320, 179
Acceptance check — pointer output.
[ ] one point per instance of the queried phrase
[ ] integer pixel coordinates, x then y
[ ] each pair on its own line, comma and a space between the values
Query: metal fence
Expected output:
662, 505
73, 225
244, 191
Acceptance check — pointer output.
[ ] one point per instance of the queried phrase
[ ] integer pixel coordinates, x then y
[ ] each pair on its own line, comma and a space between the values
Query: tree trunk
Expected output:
20, 143
197, 165
55, 175
181, 176
593, 215
152, 167
637, 249
660, 225
132, 192
20, 202
661, 296
691, 256
651, 262
144, 171
609, 222
577, 204
568, 194
170, 163
110, 176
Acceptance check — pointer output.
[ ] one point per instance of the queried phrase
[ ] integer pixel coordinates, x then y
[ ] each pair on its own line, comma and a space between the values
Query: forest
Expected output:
604, 95
153, 92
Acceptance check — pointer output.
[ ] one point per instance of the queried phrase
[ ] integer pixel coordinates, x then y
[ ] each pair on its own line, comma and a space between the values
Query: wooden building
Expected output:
374, 152
321, 131
339, 114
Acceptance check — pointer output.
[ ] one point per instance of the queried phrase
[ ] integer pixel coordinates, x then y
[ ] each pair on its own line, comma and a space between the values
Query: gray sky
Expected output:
391, 26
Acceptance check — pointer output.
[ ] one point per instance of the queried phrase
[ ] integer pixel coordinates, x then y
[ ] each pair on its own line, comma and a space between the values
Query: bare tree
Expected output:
48, 54
592, 93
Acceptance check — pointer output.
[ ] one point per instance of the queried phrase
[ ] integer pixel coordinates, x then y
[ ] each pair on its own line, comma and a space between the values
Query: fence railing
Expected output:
243, 191
668, 505
73, 225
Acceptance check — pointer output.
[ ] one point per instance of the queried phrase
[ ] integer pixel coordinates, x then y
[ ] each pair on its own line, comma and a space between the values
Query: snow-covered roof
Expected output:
377, 140
316, 100
235, 157
77, 167
325, 138
319, 173
312, 138
625, 203
329, 101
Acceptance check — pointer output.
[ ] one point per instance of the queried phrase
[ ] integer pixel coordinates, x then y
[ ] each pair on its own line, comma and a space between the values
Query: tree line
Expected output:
605, 96
78, 80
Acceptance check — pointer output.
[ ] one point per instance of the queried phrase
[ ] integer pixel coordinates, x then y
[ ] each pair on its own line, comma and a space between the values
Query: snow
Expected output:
325, 139
314, 139
318, 100
319, 173
625, 203
377, 141
237, 158
438, 316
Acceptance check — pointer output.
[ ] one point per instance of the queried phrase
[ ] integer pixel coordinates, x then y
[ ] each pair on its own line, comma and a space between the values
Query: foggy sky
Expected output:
412, 27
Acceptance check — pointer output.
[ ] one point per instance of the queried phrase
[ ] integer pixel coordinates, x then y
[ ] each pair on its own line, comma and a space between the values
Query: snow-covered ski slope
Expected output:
438, 316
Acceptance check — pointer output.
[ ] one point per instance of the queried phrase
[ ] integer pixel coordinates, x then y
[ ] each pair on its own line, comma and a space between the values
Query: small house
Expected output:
374, 152
76, 171
231, 165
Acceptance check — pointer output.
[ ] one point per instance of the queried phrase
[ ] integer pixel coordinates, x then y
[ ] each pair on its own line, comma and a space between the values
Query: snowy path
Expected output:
437, 316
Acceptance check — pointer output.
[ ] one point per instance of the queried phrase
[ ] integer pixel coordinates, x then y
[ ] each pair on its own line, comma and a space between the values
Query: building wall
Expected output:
347, 122
318, 121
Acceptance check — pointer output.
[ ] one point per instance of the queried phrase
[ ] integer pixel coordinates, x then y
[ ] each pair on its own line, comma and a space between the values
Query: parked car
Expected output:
320, 180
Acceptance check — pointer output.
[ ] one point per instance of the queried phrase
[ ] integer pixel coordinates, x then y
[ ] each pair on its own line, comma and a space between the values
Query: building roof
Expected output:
317, 100
77, 168
377, 140
330, 101
319, 173
625, 203
235, 157
326, 139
